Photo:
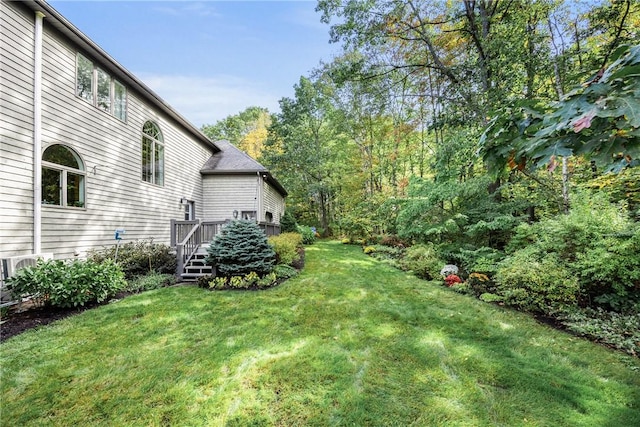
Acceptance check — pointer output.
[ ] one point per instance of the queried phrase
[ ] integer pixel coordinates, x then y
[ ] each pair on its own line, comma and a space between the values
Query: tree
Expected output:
246, 130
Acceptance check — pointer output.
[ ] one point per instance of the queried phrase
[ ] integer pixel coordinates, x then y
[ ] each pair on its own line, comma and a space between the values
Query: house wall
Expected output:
16, 131
111, 151
225, 193
273, 202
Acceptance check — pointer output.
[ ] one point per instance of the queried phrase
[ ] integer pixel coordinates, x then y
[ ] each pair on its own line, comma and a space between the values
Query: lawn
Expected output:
350, 341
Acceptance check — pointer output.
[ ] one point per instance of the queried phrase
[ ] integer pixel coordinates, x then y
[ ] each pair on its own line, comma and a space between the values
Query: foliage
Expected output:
246, 130
150, 281
308, 234
369, 249
597, 242
68, 284
286, 247
139, 258
288, 222
599, 119
452, 279
423, 261
536, 283
618, 330
241, 248
284, 272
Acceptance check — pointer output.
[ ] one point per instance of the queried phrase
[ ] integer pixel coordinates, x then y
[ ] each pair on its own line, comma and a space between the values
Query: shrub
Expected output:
284, 272
241, 248
150, 281
308, 234
389, 253
139, 258
610, 272
288, 222
286, 247
452, 279
369, 249
480, 283
68, 284
423, 261
536, 283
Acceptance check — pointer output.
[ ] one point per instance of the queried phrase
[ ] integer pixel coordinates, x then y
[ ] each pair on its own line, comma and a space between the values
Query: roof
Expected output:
60, 23
230, 160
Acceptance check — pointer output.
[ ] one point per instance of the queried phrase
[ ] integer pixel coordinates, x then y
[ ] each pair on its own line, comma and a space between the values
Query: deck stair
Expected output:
197, 266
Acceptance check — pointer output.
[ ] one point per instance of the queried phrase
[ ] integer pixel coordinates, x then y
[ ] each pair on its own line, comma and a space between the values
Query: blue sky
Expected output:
209, 59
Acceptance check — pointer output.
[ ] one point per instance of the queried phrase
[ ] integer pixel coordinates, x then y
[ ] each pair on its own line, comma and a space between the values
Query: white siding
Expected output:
16, 131
111, 149
225, 193
273, 202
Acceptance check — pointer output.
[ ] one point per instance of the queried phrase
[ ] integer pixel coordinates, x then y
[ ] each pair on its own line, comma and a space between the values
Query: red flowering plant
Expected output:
452, 279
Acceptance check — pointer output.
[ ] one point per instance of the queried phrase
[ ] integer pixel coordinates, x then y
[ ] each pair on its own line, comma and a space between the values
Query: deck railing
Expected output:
187, 236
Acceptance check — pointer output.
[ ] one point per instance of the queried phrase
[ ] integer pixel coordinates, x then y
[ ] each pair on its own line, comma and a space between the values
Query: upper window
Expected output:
98, 88
63, 177
152, 154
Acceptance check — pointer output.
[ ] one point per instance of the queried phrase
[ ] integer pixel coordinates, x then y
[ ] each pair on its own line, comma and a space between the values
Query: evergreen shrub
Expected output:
241, 248
288, 222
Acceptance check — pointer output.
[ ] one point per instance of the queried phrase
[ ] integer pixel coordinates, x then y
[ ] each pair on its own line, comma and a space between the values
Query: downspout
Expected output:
259, 215
37, 135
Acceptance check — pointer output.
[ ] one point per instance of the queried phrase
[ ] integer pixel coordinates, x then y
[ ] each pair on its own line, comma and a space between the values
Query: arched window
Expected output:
63, 177
152, 154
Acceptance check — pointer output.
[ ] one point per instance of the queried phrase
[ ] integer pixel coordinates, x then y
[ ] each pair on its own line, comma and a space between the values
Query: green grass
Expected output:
350, 341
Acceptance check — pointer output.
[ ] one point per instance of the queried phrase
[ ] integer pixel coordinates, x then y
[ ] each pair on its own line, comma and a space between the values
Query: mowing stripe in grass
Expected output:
350, 341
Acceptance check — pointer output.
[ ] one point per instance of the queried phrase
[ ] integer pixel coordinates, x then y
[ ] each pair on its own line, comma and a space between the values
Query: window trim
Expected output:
155, 142
63, 183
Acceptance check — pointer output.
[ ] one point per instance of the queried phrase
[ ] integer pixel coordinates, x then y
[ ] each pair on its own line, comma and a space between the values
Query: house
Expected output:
86, 149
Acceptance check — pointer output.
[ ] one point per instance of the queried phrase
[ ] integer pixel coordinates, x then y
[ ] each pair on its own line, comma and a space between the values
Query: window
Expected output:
63, 177
152, 154
99, 89
84, 79
248, 215
189, 210
104, 90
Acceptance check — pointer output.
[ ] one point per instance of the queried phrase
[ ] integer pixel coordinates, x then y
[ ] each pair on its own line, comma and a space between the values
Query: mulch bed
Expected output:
18, 322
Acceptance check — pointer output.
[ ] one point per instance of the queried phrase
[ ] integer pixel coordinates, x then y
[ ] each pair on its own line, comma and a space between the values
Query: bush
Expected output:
536, 283
286, 247
308, 234
139, 258
610, 272
150, 281
423, 261
284, 272
288, 222
68, 284
241, 248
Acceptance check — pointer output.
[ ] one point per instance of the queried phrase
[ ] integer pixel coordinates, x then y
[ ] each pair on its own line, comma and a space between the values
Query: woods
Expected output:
465, 126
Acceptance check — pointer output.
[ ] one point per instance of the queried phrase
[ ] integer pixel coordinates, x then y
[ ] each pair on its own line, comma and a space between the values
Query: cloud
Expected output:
205, 100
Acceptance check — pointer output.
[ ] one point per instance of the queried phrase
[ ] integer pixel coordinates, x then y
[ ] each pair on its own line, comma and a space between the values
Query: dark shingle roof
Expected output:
230, 160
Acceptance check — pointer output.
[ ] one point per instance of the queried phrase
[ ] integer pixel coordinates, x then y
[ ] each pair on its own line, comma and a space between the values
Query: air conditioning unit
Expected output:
13, 264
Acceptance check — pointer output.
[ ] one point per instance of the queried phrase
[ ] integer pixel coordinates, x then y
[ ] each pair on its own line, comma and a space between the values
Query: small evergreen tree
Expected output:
288, 222
241, 248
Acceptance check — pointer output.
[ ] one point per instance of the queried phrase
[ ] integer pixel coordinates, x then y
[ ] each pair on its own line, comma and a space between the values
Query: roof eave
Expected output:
61, 24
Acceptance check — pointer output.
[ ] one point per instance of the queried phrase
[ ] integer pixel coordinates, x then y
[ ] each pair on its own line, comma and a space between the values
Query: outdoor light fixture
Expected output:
235, 214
